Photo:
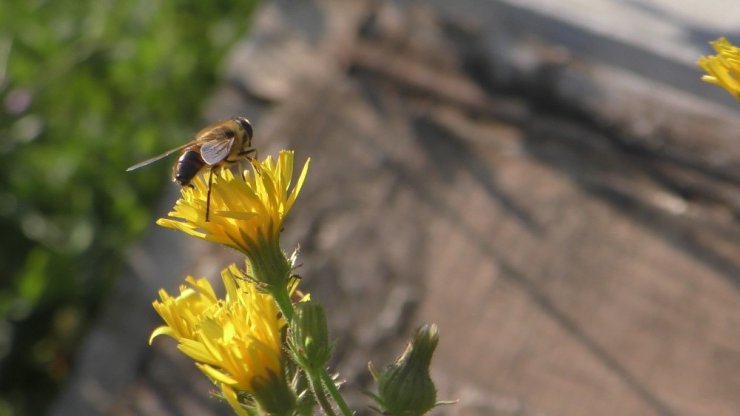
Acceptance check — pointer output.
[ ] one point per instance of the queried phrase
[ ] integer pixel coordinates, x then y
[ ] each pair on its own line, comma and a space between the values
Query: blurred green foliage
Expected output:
87, 88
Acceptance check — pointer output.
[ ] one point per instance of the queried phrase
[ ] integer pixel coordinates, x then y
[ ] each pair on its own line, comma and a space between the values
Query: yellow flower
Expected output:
246, 212
235, 341
723, 69
182, 314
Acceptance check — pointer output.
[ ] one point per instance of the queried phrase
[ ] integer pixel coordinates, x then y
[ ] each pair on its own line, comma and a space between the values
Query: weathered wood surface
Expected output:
572, 229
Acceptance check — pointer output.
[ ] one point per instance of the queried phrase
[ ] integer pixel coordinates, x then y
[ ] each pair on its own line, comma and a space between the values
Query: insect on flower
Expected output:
220, 144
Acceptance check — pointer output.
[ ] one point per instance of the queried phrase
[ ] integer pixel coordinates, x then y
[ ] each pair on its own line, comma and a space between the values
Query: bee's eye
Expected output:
246, 125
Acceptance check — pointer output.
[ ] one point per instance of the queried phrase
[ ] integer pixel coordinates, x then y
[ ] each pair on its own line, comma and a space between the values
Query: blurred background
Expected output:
87, 88
550, 183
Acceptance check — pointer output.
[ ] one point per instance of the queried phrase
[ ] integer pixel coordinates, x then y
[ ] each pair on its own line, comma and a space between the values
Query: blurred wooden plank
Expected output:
582, 277
658, 39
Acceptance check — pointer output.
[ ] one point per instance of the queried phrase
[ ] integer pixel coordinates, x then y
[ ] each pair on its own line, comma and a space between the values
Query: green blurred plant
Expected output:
86, 88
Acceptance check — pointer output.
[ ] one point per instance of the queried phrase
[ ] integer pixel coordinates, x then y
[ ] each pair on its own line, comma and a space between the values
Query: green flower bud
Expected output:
309, 335
405, 387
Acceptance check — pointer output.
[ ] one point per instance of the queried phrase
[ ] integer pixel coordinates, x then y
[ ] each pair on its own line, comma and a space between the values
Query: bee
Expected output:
220, 144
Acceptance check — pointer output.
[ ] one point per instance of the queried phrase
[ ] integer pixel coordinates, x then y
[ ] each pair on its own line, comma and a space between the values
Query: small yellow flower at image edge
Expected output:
235, 341
247, 212
723, 69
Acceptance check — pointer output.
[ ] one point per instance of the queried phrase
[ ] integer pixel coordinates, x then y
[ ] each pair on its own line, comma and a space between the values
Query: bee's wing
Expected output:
215, 151
156, 158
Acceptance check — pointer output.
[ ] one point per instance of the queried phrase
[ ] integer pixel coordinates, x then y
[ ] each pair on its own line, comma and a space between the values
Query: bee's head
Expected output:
246, 125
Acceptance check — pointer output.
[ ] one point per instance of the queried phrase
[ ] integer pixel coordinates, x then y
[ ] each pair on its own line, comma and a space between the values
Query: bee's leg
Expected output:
248, 152
242, 155
231, 167
208, 195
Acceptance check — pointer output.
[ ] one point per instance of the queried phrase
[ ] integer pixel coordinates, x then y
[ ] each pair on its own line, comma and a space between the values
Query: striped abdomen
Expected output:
188, 165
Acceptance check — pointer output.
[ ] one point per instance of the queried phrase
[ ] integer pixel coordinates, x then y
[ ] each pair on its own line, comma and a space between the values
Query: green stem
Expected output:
317, 377
315, 382
334, 392
282, 298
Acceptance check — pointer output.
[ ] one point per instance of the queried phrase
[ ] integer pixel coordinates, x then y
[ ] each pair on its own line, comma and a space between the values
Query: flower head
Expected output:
246, 212
723, 69
235, 341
